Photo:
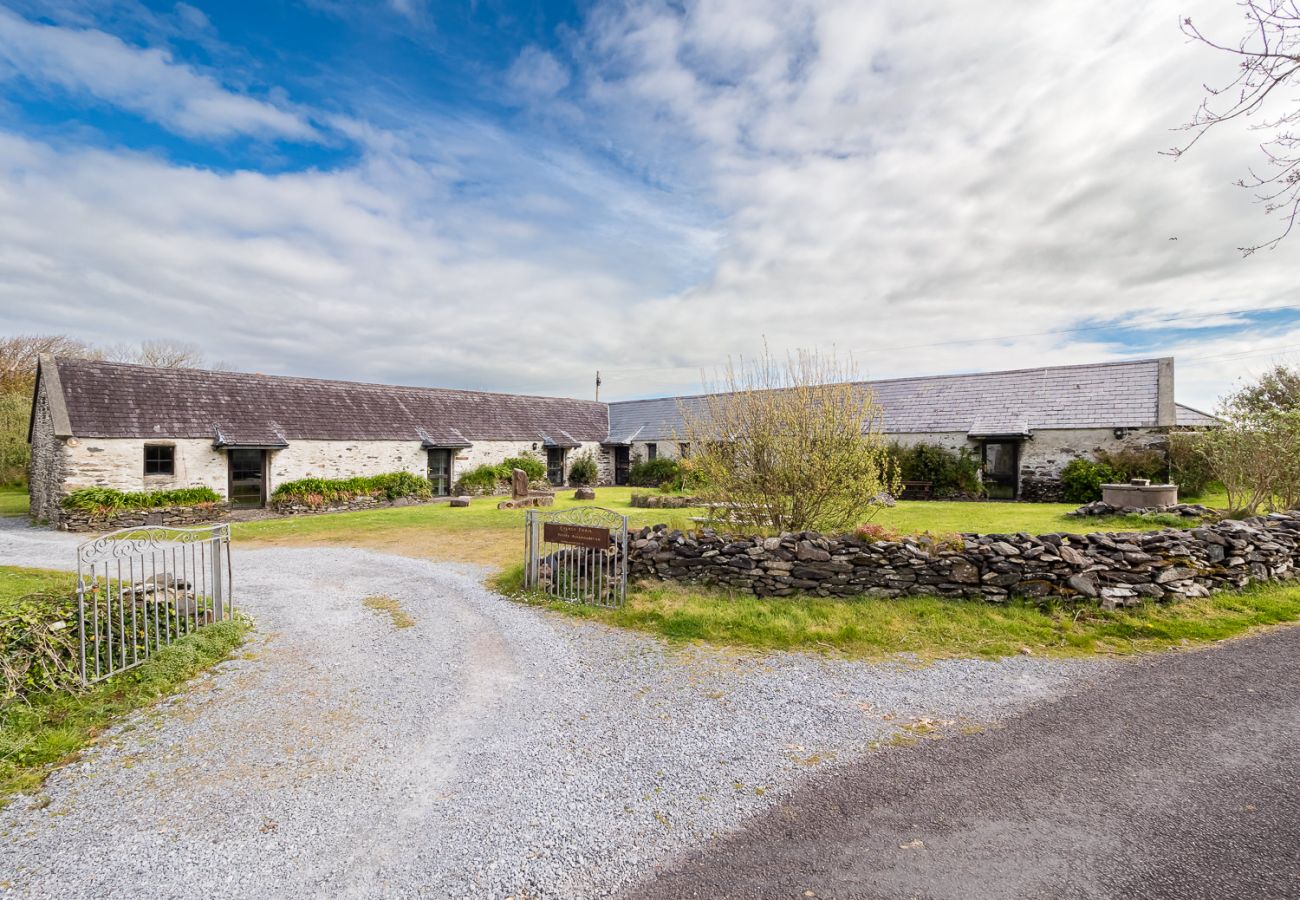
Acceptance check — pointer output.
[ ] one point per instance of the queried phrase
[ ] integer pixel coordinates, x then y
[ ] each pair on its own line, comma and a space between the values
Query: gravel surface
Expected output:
490, 750
1174, 777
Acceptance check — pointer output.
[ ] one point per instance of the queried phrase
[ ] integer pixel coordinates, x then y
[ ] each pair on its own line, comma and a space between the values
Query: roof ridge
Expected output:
301, 379
905, 378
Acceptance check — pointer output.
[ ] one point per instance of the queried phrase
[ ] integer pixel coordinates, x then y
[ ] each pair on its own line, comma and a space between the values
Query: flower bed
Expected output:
321, 493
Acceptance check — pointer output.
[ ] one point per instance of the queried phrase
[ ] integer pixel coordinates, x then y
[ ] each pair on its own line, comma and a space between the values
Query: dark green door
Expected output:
440, 472
247, 478
1002, 469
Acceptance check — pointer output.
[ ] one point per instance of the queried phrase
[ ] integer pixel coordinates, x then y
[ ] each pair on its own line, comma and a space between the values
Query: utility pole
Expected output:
598, 385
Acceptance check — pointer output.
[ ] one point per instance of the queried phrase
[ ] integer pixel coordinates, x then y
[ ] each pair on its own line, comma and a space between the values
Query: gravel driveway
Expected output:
490, 750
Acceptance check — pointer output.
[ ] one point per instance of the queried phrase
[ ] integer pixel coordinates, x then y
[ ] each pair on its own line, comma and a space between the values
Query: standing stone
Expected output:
518, 483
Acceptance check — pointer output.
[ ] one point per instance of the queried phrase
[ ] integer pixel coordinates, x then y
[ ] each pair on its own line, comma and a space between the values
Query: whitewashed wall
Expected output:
119, 463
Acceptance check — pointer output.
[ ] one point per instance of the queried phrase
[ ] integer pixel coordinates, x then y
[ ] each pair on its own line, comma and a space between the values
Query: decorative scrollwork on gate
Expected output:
577, 554
127, 542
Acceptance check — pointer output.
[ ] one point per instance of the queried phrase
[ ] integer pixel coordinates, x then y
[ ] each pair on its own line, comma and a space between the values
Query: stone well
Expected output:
1139, 493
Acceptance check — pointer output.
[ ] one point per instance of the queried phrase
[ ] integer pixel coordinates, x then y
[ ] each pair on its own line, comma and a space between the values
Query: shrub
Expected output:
1132, 462
319, 491
1083, 478
584, 470
654, 472
39, 646
106, 500
1188, 466
950, 473
480, 480
796, 443
534, 467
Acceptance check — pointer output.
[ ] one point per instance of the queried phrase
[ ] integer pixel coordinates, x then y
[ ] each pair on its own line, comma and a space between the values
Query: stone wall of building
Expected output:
1116, 569
45, 474
119, 463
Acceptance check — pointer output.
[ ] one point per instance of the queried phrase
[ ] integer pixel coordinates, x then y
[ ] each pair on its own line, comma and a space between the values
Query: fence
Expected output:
139, 589
577, 554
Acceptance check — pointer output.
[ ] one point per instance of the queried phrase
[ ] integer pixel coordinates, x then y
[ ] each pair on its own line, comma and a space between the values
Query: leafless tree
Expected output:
19, 354
161, 354
1269, 65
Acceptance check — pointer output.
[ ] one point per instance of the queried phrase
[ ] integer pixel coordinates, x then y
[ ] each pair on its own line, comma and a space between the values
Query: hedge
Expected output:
485, 478
654, 472
319, 491
950, 473
100, 499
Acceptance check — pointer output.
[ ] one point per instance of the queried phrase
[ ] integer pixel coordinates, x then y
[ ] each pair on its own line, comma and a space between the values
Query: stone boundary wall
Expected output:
175, 516
662, 501
1117, 569
297, 508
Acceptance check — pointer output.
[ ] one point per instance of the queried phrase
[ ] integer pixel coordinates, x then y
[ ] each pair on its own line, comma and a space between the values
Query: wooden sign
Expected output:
577, 535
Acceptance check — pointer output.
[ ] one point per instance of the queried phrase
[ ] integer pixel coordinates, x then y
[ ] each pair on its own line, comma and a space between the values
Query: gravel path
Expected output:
490, 750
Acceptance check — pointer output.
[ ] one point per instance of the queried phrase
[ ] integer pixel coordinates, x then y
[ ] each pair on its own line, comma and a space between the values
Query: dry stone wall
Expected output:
1115, 569
175, 516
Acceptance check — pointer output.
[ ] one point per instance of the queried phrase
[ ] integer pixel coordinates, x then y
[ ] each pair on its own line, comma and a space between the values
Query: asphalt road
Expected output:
1175, 777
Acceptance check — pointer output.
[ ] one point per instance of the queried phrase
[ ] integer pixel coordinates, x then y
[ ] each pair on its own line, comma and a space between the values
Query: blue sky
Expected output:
513, 195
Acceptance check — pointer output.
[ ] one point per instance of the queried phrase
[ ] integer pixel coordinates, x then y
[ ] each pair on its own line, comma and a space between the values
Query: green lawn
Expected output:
13, 501
484, 534
50, 729
930, 627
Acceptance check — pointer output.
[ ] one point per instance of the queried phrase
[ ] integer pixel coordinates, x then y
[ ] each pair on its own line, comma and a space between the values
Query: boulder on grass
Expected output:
459, 501
584, 493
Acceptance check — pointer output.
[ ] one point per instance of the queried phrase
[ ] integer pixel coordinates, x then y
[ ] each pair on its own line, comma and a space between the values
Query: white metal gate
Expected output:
577, 554
139, 589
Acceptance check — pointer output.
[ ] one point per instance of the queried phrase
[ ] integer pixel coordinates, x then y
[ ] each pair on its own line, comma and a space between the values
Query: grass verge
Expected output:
13, 501
929, 627
49, 729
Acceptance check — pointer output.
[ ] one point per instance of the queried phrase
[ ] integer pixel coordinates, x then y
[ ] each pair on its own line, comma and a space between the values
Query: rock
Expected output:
1084, 584
518, 483
1072, 556
459, 502
806, 550
963, 572
584, 493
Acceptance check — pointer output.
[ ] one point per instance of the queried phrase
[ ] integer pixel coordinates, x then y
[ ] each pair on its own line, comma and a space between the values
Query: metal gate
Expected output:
577, 554
139, 589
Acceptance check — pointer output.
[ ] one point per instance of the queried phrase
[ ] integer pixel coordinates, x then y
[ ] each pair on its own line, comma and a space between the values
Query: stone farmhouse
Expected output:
137, 428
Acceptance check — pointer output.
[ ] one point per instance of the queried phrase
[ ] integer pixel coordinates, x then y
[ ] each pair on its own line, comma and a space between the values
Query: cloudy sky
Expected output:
512, 195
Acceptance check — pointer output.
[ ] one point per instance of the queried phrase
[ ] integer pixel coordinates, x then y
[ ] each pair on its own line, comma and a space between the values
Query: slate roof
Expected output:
1103, 395
236, 408
1190, 417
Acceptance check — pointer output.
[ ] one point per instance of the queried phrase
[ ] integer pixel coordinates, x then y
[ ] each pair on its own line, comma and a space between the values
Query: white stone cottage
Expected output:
137, 428
1025, 424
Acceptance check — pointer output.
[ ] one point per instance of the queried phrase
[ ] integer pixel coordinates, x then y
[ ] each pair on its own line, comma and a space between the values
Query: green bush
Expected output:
1083, 478
950, 473
654, 472
534, 467
584, 470
480, 480
106, 500
1188, 466
1134, 463
319, 491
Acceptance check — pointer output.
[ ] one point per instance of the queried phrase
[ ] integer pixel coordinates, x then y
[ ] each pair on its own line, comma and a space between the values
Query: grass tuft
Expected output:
392, 608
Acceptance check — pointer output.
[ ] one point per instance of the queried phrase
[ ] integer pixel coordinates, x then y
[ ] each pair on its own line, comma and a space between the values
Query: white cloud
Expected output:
895, 181
536, 73
146, 81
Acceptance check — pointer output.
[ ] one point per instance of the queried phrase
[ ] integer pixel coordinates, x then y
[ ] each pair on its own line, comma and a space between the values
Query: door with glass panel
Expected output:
247, 477
440, 472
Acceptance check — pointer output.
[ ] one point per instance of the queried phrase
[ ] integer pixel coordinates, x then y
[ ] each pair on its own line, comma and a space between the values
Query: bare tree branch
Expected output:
1269, 56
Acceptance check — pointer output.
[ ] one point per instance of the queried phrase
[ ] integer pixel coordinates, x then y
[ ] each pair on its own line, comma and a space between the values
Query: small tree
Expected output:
794, 444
